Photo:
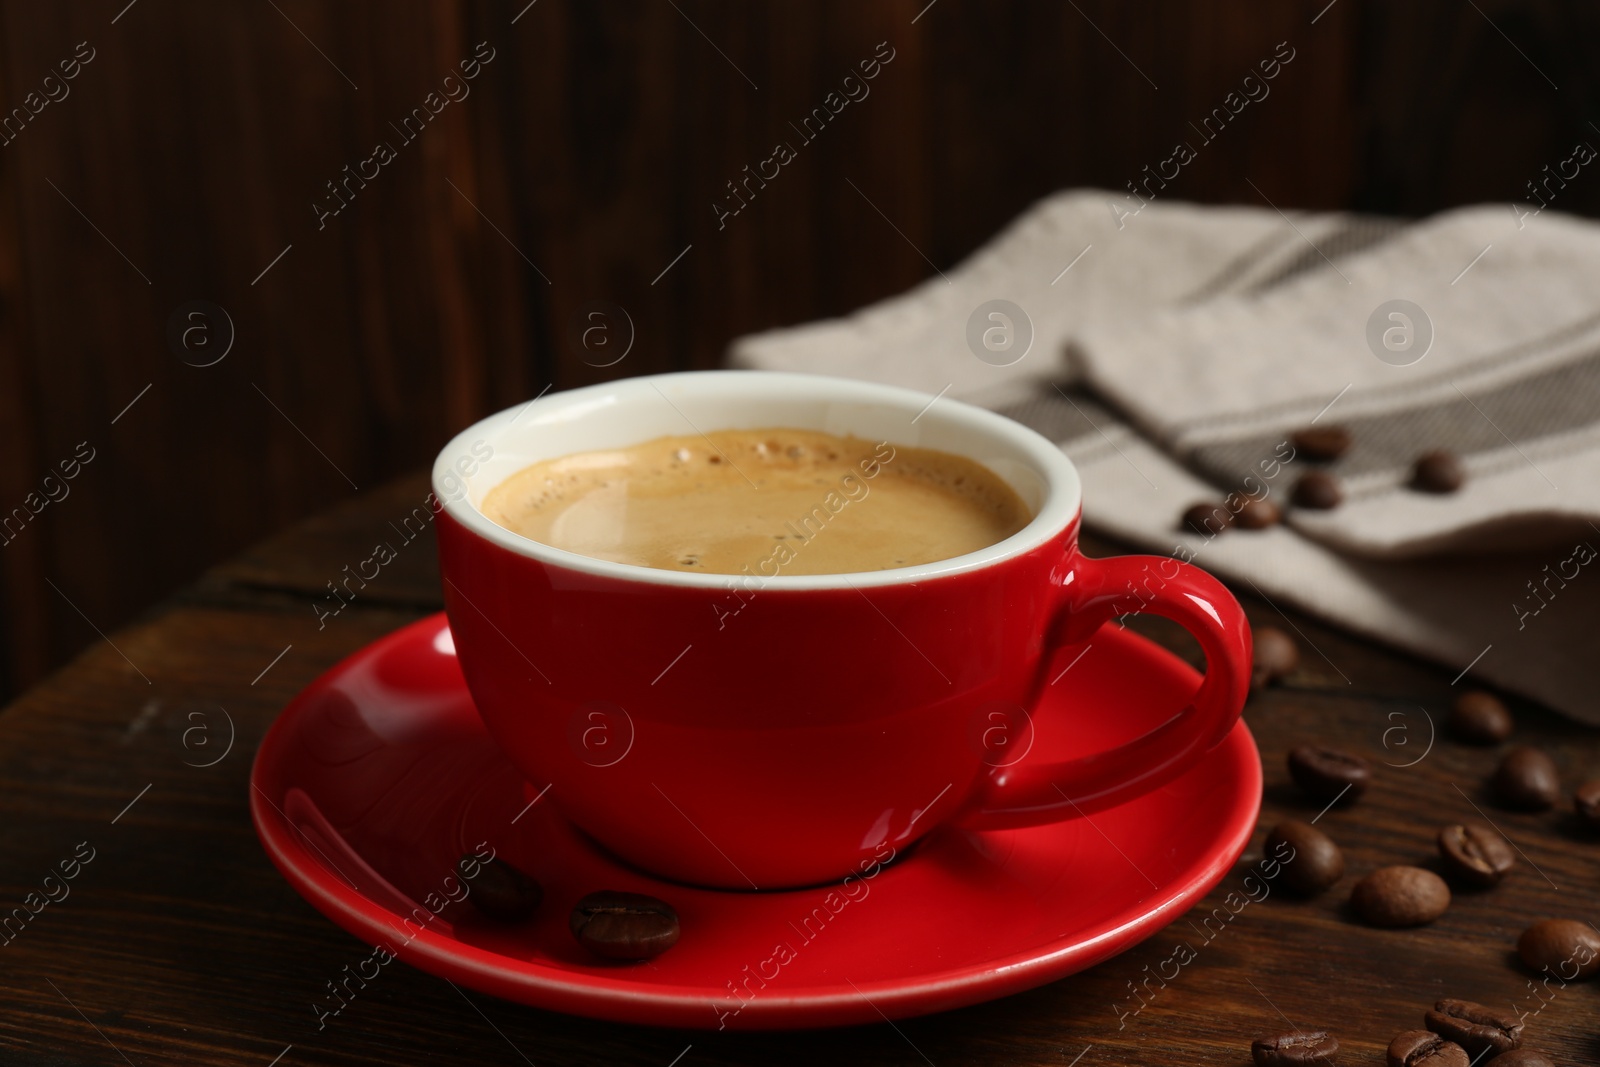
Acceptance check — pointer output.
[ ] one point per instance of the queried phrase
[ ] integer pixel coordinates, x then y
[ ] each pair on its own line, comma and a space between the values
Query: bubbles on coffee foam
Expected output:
729, 465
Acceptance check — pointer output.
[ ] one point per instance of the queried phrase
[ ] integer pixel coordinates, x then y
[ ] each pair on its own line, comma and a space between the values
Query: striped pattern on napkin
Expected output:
1174, 351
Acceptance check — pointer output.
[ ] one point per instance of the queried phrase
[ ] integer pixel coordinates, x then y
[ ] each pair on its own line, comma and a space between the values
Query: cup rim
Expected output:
1058, 510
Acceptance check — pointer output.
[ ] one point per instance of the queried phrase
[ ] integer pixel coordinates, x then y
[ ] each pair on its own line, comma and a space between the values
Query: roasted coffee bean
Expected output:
1315, 863
1207, 519
1276, 654
1321, 442
1400, 896
1523, 1057
1258, 513
1565, 948
498, 889
1474, 1027
1309, 1046
1586, 802
1475, 853
1327, 773
624, 926
1423, 1048
1438, 472
1527, 780
1317, 489
1479, 718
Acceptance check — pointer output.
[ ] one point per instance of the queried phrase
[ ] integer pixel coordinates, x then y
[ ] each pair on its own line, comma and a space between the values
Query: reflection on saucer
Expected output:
379, 777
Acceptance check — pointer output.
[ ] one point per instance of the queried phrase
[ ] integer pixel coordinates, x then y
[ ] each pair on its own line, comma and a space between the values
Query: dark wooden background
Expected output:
587, 156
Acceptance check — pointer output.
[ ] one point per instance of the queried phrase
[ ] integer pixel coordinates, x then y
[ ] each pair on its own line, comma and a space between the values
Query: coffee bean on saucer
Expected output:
1328, 774
499, 890
1423, 1048
1474, 1027
1523, 1057
624, 926
1318, 490
1474, 853
1316, 862
1479, 718
1586, 802
1257, 513
1393, 897
1438, 472
1527, 780
1566, 948
1321, 442
1299, 1046
1207, 519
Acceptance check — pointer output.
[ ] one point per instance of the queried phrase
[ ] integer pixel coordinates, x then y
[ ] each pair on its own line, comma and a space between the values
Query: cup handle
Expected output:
1095, 591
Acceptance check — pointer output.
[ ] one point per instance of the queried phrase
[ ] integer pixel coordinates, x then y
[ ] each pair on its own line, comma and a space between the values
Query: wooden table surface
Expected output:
180, 943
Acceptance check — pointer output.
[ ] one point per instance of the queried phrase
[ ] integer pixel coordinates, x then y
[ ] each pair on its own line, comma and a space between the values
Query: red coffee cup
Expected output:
771, 730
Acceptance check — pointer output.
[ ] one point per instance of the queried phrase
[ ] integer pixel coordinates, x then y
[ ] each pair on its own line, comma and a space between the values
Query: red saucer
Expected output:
379, 776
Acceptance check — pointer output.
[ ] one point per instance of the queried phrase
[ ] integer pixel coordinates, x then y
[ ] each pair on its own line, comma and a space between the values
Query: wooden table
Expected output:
179, 942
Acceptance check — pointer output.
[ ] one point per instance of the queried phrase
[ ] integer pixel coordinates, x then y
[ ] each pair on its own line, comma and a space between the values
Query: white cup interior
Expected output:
634, 410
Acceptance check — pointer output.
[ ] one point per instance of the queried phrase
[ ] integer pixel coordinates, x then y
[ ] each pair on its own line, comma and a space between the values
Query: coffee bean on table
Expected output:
1566, 948
1393, 897
1523, 1057
1479, 718
1318, 490
1438, 472
1586, 802
1423, 1048
1276, 654
1327, 773
1475, 853
1300, 1046
1527, 780
1207, 519
1475, 1027
1321, 442
1257, 513
1316, 862
499, 890
624, 926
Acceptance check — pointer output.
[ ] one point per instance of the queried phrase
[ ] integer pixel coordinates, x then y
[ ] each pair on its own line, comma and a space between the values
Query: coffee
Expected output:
1276, 654
1324, 443
1586, 802
499, 890
1329, 774
772, 500
1316, 862
624, 926
1438, 472
1475, 853
1423, 1048
1479, 1029
1480, 718
1295, 1047
1523, 1057
1400, 896
1566, 948
1527, 780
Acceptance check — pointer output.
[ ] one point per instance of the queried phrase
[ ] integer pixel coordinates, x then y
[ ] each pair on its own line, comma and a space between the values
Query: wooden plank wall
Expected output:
185, 161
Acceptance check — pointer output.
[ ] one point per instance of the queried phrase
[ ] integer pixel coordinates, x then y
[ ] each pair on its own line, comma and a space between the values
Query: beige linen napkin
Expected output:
1218, 331
1503, 369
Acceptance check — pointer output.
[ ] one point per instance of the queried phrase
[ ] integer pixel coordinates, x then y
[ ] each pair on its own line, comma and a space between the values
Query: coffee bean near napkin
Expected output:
1172, 350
